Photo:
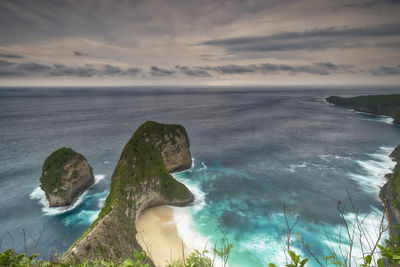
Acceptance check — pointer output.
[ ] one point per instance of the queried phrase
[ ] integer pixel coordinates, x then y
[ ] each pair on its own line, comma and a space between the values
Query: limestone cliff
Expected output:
140, 180
66, 174
390, 194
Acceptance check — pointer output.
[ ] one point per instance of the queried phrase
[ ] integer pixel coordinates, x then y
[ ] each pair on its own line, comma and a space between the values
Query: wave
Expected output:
293, 167
84, 217
373, 170
328, 102
192, 239
375, 117
98, 178
188, 170
40, 195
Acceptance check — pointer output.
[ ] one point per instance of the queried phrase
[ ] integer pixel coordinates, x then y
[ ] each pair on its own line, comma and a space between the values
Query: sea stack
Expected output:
66, 174
140, 180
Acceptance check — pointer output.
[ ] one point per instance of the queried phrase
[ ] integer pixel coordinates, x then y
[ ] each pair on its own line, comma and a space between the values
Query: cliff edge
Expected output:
66, 174
388, 105
390, 195
140, 180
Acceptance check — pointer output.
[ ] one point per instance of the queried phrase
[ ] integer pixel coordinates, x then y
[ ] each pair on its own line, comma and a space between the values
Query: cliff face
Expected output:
140, 180
66, 174
390, 194
388, 105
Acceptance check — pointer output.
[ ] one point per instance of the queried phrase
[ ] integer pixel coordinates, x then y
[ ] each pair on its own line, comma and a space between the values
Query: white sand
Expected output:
157, 234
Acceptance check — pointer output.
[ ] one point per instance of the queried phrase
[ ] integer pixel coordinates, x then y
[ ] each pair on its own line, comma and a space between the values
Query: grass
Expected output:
141, 165
52, 170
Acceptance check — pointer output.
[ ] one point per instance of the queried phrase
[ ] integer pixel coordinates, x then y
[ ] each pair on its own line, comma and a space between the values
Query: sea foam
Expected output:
40, 195
374, 170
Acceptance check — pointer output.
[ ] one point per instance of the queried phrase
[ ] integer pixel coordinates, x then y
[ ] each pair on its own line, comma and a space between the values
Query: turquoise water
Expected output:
254, 149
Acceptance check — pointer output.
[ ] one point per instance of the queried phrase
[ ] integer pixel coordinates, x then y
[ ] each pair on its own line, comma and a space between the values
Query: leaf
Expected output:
368, 259
380, 263
271, 265
294, 257
128, 263
303, 262
396, 257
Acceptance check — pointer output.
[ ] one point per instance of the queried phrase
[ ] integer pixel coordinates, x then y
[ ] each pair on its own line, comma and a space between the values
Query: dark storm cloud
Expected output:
315, 39
193, 72
156, 71
33, 69
320, 68
8, 55
112, 70
81, 54
64, 70
386, 70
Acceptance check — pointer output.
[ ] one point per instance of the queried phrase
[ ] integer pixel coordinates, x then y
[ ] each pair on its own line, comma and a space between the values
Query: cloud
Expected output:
319, 68
81, 54
386, 70
372, 3
156, 71
112, 70
133, 71
9, 55
64, 70
315, 39
32, 69
193, 72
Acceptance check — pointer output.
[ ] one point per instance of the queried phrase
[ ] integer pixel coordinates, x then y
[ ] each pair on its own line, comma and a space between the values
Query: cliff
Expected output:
66, 174
140, 180
388, 105
390, 195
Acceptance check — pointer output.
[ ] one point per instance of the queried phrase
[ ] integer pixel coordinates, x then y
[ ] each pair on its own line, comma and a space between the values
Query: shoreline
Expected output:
158, 236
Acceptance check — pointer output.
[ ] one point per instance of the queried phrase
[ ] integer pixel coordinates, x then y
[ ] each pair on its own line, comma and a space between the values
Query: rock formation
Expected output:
390, 194
66, 174
388, 105
140, 180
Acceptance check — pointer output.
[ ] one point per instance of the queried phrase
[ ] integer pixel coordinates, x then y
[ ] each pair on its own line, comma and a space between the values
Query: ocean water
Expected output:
254, 149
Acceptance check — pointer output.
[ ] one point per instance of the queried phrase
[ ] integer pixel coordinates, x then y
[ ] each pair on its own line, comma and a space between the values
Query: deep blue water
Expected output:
254, 149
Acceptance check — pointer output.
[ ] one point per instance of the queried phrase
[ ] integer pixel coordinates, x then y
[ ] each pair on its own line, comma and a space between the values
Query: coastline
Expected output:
158, 236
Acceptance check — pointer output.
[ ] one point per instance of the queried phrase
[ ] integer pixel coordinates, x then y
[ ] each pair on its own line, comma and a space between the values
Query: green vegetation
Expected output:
52, 170
388, 105
12, 259
140, 171
141, 162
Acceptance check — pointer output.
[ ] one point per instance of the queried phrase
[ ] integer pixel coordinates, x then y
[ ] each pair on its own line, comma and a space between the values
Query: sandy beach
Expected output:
157, 234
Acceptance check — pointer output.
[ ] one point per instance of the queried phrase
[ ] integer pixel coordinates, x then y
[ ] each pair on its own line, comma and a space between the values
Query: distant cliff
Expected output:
140, 180
388, 105
390, 194
66, 174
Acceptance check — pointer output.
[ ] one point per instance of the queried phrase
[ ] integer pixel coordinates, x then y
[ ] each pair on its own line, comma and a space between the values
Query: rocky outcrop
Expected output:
388, 105
140, 180
390, 194
66, 174
175, 151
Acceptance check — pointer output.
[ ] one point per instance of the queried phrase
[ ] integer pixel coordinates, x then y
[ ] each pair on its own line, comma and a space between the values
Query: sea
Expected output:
261, 155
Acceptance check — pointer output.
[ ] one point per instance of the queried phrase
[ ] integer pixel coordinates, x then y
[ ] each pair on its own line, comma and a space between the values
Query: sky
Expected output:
199, 42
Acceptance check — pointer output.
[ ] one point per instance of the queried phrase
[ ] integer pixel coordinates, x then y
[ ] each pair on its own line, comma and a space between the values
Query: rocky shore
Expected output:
140, 180
390, 194
66, 174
